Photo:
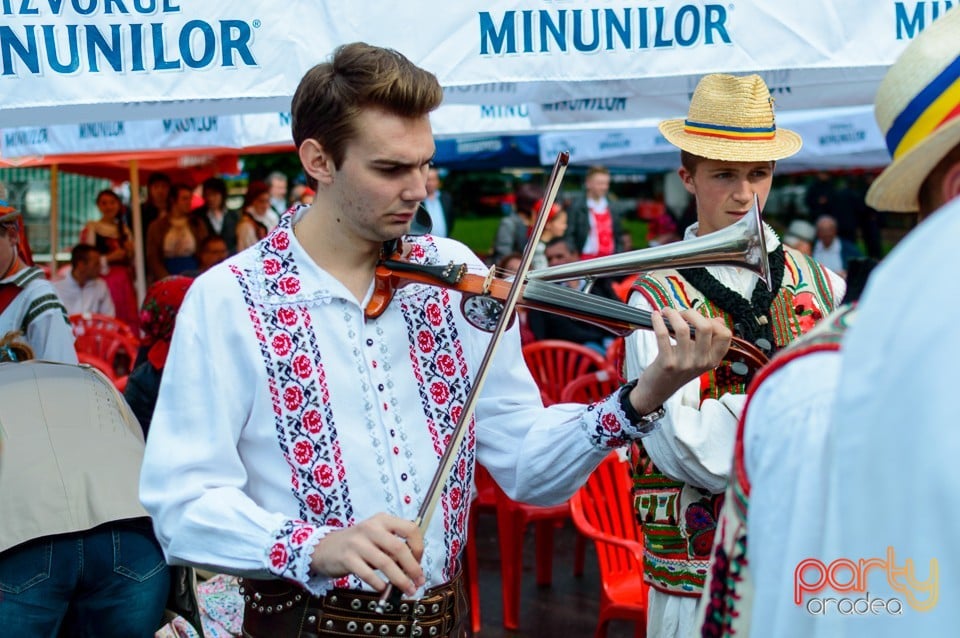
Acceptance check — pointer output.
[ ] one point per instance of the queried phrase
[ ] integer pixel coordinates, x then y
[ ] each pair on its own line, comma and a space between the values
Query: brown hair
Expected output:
597, 170
331, 95
14, 348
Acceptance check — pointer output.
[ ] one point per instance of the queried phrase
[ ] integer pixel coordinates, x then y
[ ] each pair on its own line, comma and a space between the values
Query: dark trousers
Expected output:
111, 581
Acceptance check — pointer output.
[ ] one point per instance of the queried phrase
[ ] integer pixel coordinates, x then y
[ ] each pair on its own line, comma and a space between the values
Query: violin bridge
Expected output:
488, 281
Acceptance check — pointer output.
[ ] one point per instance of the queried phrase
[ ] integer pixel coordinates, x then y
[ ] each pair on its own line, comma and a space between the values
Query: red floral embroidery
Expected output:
323, 474
455, 413
303, 452
292, 397
425, 341
278, 555
290, 285
271, 266
455, 496
440, 392
610, 423
312, 421
315, 503
302, 366
434, 316
280, 241
446, 365
287, 316
417, 251
300, 536
282, 345
462, 469
807, 311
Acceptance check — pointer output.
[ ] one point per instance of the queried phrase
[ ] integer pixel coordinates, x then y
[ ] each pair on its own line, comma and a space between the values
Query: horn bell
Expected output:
740, 244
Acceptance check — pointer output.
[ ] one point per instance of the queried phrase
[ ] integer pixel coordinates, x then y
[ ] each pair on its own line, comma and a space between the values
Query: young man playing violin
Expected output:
729, 144
304, 466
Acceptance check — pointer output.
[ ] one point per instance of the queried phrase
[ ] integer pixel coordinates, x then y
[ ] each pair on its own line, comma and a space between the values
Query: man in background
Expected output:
439, 204
82, 290
594, 224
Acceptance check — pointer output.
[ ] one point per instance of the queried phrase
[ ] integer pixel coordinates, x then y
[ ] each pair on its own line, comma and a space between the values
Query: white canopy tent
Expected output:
69, 61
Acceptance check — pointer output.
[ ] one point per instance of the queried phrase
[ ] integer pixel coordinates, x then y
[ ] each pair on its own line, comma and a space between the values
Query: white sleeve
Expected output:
106, 306
694, 442
193, 477
785, 433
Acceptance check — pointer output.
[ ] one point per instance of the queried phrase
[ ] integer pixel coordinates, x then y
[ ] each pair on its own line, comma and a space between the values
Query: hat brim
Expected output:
784, 144
897, 188
8, 214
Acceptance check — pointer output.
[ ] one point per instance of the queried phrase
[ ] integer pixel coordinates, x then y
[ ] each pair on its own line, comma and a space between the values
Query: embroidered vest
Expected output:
679, 520
726, 610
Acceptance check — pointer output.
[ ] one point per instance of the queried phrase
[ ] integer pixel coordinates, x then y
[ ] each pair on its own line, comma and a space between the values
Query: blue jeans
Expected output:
108, 581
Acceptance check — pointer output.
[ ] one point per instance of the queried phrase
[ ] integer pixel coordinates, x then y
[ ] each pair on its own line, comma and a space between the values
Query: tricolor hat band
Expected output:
936, 104
729, 132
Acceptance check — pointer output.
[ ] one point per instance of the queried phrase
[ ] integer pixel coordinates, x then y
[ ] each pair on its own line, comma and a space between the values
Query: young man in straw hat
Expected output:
28, 302
729, 144
848, 421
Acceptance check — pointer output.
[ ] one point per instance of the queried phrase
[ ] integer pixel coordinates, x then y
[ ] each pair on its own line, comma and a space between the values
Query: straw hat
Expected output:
918, 110
731, 119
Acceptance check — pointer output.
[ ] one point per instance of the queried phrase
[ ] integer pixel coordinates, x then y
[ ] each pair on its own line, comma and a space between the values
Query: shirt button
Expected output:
393, 433
369, 342
403, 477
384, 407
396, 450
380, 387
374, 364
406, 499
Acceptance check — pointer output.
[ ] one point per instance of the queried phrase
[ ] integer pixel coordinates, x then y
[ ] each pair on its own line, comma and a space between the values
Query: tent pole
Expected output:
54, 217
138, 256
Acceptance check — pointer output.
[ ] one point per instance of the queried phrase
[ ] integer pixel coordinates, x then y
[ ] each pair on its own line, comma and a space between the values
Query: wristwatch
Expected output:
631, 413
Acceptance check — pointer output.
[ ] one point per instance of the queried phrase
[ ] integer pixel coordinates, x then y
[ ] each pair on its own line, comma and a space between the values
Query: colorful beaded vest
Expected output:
679, 520
726, 609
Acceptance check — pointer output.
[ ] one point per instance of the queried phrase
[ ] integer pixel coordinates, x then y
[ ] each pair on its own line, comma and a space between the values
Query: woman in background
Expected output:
113, 240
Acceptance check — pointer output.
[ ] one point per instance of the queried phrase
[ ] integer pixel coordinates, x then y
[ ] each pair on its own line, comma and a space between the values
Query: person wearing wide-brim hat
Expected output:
872, 389
28, 302
729, 145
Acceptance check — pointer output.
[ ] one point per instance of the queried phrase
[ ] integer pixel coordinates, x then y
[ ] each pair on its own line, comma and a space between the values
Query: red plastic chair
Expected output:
554, 363
486, 500
83, 321
119, 351
591, 387
602, 510
512, 519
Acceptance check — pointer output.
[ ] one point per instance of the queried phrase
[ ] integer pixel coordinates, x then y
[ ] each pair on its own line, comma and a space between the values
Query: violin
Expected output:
483, 296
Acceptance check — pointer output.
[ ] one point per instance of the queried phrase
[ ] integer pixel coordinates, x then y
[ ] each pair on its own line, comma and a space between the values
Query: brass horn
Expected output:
740, 244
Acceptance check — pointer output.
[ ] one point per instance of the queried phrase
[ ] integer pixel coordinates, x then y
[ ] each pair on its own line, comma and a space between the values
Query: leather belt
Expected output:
279, 608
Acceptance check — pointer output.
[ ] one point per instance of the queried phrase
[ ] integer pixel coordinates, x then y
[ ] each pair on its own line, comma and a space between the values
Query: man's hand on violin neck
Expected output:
382, 542
679, 363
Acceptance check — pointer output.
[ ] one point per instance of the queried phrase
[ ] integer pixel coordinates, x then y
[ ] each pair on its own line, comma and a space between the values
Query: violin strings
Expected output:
587, 304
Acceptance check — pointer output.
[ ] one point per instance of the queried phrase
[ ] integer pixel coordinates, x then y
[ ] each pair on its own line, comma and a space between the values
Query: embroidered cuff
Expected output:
608, 426
290, 554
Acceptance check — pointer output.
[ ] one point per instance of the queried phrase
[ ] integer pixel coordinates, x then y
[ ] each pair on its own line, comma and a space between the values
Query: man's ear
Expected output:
687, 178
316, 162
951, 183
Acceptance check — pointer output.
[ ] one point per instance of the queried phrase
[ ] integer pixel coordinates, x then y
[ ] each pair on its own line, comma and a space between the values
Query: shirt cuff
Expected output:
608, 427
291, 552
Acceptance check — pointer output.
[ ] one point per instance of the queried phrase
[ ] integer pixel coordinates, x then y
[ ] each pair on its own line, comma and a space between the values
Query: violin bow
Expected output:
429, 504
